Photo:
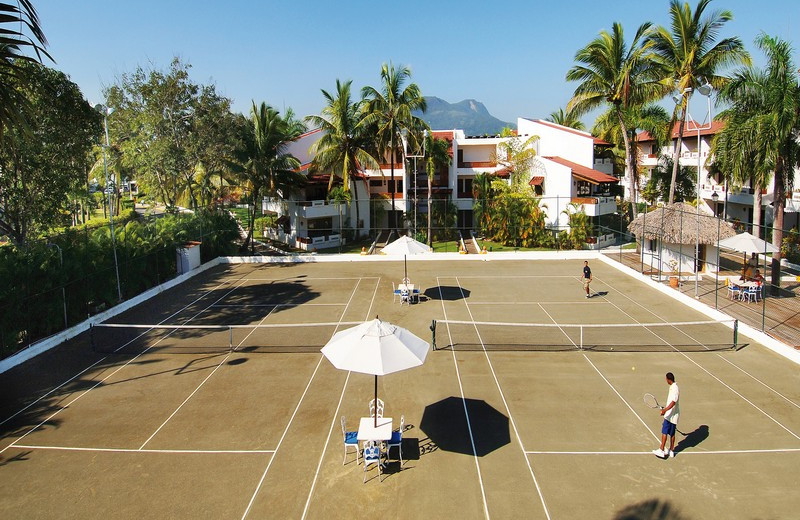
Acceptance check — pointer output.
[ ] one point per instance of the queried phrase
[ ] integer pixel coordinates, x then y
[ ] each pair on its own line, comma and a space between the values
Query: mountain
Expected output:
468, 115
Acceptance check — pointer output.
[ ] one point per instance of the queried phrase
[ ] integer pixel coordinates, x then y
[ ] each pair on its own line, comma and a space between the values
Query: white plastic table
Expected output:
368, 432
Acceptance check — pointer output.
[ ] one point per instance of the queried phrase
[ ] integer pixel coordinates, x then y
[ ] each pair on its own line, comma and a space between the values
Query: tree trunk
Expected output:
392, 215
777, 224
676, 156
757, 212
356, 230
628, 168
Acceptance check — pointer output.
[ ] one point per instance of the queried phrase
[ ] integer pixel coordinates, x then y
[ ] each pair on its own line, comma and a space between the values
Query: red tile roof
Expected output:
583, 172
536, 181
689, 130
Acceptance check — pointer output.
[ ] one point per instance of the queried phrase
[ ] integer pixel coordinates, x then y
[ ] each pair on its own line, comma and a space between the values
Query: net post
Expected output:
580, 347
433, 334
735, 334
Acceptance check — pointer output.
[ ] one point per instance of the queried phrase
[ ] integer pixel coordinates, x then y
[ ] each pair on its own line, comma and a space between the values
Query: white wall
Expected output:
556, 140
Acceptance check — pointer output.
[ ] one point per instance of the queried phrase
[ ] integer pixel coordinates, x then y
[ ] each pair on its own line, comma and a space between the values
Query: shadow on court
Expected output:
692, 439
446, 292
653, 509
445, 425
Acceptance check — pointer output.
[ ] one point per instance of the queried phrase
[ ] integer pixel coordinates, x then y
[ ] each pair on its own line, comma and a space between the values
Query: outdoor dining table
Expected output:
367, 431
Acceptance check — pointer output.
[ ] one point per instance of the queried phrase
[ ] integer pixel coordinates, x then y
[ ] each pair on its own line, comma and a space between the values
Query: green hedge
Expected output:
34, 287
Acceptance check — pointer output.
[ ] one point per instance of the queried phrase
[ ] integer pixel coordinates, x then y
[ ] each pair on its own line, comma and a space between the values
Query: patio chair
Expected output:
372, 455
734, 291
751, 294
405, 296
395, 292
350, 441
397, 439
372, 409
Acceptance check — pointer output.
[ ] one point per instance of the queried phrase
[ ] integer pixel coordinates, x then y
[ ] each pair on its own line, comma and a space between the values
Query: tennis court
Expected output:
241, 419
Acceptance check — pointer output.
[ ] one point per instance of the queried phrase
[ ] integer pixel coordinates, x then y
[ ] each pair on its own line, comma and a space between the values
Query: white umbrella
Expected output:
405, 245
747, 243
377, 348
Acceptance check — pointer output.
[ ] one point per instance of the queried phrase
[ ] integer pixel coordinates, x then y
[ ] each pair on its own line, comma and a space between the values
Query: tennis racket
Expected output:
651, 401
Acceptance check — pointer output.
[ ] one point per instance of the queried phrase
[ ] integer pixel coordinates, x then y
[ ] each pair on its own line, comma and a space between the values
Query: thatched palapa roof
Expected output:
677, 224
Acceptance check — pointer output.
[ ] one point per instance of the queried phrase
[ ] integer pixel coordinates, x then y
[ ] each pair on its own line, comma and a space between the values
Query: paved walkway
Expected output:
777, 316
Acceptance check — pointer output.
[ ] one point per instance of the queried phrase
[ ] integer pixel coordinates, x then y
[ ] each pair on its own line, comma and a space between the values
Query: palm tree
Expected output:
388, 110
13, 17
437, 154
689, 52
650, 118
614, 73
568, 119
346, 145
266, 165
768, 106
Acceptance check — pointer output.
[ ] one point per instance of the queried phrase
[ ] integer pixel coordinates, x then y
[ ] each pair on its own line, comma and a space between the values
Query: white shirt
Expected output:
674, 395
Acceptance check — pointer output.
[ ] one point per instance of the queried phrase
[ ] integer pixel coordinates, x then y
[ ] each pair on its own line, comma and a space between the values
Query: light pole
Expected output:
715, 198
63, 291
105, 111
415, 157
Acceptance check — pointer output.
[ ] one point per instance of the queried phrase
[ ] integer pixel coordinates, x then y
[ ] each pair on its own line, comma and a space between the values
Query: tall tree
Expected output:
266, 165
388, 109
22, 41
40, 165
689, 52
346, 145
437, 155
566, 118
612, 72
768, 103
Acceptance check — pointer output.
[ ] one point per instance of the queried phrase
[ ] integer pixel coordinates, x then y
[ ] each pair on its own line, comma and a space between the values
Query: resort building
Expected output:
565, 175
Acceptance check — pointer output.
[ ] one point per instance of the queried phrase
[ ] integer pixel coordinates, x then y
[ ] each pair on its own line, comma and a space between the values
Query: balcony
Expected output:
600, 241
596, 205
320, 242
319, 208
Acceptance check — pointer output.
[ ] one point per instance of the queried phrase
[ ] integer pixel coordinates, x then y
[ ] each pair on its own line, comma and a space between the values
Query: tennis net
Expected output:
687, 336
127, 338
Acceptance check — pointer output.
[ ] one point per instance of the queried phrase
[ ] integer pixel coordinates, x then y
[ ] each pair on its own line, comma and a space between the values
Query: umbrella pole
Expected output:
375, 409
405, 268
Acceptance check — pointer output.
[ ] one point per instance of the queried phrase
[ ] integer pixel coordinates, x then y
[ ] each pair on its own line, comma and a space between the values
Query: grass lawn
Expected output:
495, 247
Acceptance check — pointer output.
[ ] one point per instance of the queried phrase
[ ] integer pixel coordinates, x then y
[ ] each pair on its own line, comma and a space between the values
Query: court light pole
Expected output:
106, 111
415, 157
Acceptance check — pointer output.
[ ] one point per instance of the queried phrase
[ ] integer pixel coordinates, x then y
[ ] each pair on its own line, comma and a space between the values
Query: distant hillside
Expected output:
468, 115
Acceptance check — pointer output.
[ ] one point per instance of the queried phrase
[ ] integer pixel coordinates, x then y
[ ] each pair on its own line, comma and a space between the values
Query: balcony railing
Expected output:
477, 164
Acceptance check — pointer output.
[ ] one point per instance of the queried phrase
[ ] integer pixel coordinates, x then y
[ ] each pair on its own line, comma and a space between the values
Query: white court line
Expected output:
503, 397
516, 277
280, 304
110, 375
677, 453
536, 303
203, 382
776, 392
333, 420
303, 278
105, 357
723, 383
133, 450
464, 402
291, 419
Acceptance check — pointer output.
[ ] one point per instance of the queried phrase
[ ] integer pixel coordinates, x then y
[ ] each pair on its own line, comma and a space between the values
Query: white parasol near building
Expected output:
747, 243
377, 348
405, 245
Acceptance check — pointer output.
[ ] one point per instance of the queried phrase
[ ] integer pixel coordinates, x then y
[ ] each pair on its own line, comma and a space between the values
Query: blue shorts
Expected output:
668, 428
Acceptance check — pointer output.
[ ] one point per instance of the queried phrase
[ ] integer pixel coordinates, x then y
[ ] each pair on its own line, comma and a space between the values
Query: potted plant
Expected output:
674, 278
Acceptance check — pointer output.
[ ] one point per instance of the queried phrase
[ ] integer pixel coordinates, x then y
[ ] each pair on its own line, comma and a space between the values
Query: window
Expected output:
399, 186
375, 183
464, 187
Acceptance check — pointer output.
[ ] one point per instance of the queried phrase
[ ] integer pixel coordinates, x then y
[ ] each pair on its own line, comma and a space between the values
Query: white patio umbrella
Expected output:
405, 245
747, 243
377, 348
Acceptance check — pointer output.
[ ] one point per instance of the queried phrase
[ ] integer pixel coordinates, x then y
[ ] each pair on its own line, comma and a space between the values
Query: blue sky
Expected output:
511, 55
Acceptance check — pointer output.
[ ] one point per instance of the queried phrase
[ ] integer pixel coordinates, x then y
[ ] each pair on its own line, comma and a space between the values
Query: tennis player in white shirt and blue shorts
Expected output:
671, 413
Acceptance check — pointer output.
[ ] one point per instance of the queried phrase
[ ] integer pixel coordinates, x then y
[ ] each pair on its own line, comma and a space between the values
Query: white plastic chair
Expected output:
379, 408
350, 441
395, 292
751, 294
405, 296
397, 439
734, 291
372, 455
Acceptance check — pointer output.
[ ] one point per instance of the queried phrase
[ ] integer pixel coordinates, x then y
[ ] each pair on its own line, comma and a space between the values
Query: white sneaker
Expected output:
671, 454
588, 296
659, 453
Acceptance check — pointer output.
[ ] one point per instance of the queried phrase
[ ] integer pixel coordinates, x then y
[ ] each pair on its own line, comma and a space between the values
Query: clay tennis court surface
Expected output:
201, 432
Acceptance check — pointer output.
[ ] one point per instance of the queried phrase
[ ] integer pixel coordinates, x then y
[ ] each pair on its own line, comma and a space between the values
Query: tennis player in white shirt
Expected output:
671, 413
